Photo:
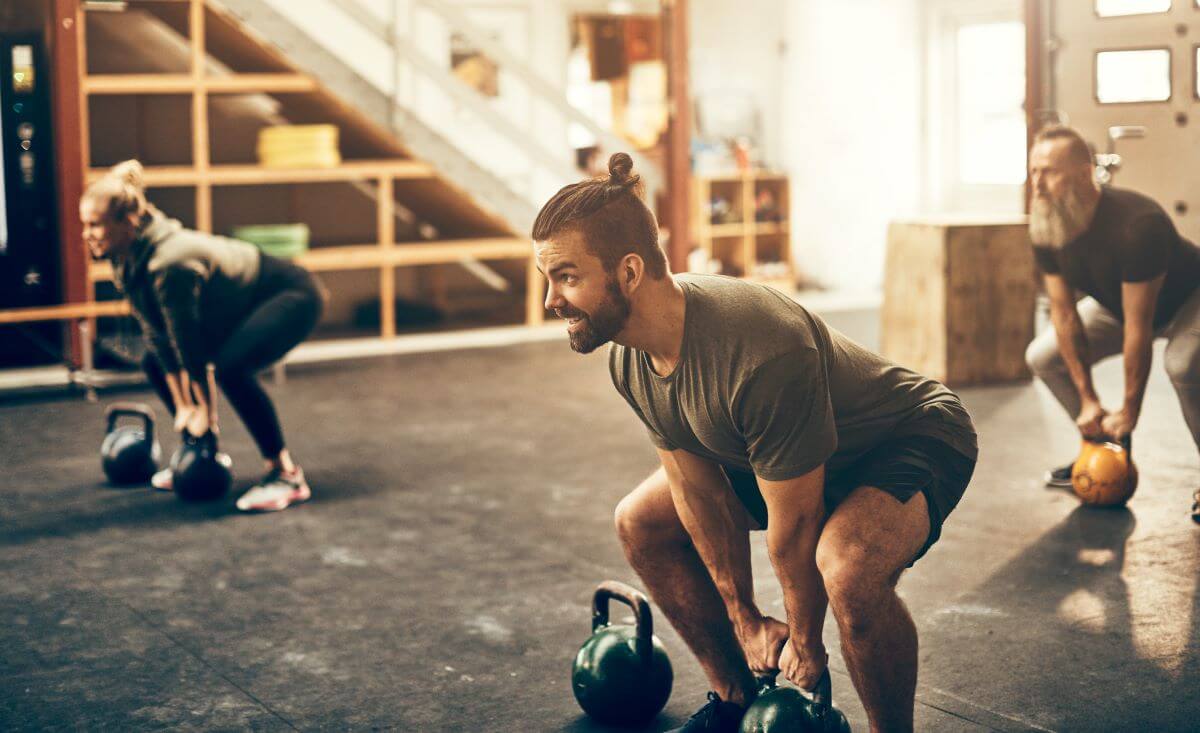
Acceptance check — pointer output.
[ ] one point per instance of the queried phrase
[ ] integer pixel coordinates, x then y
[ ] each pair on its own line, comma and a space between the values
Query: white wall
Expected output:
851, 132
838, 84
739, 48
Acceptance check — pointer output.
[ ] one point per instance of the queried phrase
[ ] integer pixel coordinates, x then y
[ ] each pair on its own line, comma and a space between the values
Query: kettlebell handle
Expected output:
207, 440
132, 409
1126, 443
822, 694
614, 590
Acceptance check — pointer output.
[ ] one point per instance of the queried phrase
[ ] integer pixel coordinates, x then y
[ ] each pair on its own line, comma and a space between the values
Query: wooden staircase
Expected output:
467, 231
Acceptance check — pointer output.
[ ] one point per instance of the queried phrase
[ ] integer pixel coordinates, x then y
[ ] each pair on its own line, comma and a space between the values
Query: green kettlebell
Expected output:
787, 710
621, 675
129, 453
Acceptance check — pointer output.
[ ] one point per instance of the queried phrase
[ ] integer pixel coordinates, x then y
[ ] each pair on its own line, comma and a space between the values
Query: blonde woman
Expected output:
204, 299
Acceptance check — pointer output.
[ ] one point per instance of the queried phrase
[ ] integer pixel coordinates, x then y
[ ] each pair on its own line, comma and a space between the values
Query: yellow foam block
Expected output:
306, 159
298, 132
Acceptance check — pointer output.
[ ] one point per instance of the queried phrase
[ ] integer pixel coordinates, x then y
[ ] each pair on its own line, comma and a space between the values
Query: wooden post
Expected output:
1035, 65
535, 290
65, 46
386, 215
749, 236
679, 132
200, 147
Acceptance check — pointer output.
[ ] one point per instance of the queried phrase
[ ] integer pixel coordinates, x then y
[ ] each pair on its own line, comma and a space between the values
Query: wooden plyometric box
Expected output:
958, 299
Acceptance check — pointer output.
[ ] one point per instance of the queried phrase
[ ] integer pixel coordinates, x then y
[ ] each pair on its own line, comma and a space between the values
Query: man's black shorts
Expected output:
901, 467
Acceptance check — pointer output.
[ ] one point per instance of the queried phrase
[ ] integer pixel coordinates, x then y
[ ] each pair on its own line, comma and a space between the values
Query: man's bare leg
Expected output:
867, 542
660, 550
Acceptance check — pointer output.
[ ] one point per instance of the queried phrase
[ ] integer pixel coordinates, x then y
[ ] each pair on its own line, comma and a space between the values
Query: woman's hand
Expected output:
183, 415
201, 418
198, 422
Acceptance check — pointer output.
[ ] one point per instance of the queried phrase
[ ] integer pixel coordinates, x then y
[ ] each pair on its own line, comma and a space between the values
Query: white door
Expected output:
1121, 63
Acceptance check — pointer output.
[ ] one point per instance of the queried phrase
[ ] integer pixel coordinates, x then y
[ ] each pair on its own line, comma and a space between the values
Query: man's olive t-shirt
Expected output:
1130, 239
763, 385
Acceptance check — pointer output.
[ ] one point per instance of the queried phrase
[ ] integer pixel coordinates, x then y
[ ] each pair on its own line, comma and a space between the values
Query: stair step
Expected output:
185, 84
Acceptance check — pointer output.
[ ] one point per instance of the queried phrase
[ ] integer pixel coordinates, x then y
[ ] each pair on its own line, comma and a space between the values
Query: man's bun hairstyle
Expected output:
610, 215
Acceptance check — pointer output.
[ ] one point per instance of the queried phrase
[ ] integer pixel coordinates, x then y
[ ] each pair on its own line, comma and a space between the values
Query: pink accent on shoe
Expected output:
276, 494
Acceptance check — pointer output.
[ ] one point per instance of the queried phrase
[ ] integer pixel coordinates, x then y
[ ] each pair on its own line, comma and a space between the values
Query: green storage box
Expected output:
277, 240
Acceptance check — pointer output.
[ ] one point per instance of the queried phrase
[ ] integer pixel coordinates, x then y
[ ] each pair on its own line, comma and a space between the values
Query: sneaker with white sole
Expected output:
1060, 478
163, 480
277, 491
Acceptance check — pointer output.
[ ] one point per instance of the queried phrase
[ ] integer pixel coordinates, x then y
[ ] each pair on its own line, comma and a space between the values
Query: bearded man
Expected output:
763, 418
1140, 277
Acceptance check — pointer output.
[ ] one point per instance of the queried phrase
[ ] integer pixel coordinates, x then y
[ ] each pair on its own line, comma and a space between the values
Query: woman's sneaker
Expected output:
163, 480
277, 491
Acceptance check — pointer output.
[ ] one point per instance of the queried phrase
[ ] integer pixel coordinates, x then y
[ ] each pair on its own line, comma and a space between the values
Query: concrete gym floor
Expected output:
442, 575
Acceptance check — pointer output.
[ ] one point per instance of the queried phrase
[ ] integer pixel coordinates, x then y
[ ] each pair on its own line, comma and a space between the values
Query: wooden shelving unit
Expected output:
371, 256
253, 175
185, 84
746, 246
384, 255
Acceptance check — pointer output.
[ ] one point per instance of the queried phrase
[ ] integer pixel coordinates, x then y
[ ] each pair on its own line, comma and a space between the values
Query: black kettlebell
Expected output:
199, 471
787, 710
129, 453
621, 675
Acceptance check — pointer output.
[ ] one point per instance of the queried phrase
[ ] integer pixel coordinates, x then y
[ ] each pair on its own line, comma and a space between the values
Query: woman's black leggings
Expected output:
287, 305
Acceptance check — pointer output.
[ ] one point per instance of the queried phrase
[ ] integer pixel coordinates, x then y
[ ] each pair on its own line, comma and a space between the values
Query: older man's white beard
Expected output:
1054, 223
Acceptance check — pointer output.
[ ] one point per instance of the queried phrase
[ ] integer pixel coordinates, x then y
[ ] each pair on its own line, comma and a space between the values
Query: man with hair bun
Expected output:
763, 418
1142, 281
204, 299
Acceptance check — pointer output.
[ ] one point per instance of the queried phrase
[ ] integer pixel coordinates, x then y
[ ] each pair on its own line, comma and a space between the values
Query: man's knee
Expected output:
642, 519
854, 583
1182, 361
1043, 358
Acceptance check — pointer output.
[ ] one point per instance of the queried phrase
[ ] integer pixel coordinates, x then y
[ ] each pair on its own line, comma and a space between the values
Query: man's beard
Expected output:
602, 324
1054, 223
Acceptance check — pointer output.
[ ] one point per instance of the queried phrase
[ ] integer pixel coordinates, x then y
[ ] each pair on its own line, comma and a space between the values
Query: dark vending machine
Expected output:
29, 246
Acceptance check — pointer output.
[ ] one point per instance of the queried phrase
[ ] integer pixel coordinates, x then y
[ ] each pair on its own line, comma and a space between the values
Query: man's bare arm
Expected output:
796, 513
712, 516
1138, 301
1072, 339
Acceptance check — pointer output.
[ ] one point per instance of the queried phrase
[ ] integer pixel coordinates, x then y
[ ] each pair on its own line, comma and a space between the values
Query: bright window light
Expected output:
1113, 8
991, 93
1133, 76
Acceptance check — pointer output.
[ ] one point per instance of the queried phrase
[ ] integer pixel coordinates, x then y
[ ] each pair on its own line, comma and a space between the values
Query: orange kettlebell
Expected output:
1104, 473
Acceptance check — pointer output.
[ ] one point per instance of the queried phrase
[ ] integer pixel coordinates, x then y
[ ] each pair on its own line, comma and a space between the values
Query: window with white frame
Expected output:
990, 66
1117, 8
975, 117
1137, 75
